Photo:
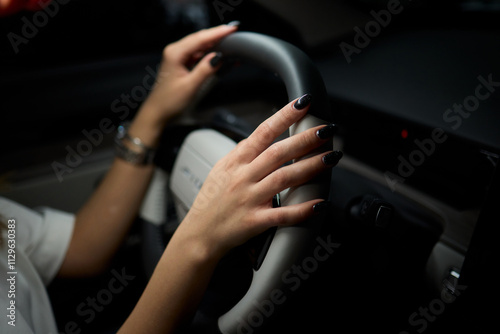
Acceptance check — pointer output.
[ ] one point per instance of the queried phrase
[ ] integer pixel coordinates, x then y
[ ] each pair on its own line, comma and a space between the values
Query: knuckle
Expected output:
274, 152
288, 115
252, 219
169, 51
308, 169
231, 161
310, 138
241, 146
278, 218
280, 178
265, 132
243, 198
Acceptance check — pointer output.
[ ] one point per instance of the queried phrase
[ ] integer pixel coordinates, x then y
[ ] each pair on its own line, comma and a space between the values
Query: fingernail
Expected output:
332, 158
327, 131
321, 206
234, 23
303, 102
216, 60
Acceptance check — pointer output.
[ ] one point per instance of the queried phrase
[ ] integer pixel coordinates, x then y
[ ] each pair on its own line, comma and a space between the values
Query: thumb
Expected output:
206, 67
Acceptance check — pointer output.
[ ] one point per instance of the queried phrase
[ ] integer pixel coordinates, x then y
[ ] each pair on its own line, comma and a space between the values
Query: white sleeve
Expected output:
44, 235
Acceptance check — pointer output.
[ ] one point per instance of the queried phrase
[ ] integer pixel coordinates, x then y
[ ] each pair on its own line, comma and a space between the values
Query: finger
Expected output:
275, 125
287, 215
296, 174
195, 58
199, 41
291, 148
207, 66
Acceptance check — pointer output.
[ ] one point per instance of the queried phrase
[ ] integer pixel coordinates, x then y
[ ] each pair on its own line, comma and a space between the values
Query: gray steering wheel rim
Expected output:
290, 244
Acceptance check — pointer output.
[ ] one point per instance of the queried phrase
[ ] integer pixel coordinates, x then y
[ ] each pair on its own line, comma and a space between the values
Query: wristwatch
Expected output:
132, 149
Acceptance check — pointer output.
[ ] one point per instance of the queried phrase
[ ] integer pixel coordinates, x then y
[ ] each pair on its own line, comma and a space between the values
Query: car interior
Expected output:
413, 86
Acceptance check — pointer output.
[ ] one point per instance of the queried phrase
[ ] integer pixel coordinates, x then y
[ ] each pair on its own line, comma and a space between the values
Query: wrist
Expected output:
132, 149
192, 250
198, 242
147, 127
155, 109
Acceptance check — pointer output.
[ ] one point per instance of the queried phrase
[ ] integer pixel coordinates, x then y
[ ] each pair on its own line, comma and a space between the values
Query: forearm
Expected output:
103, 222
175, 289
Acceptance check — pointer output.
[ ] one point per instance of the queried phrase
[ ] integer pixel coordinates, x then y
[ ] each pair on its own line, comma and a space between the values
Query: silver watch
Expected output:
143, 156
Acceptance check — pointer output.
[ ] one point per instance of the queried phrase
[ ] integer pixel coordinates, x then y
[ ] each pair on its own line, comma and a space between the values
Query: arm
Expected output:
114, 205
234, 204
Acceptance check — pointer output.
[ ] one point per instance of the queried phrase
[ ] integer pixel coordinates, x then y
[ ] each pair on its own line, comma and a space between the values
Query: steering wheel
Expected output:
289, 245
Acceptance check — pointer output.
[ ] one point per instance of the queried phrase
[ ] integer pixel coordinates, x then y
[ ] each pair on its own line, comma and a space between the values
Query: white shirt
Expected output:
41, 240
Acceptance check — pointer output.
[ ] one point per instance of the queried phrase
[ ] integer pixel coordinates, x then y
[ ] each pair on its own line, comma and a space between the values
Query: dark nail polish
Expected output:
234, 23
321, 206
303, 102
327, 131
216, 60
332, 158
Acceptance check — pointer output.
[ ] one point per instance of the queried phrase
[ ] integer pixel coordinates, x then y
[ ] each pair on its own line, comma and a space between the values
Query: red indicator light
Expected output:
404, 133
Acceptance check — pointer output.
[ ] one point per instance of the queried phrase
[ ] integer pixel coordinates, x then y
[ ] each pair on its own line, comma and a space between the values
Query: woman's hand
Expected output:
177, 79
184, 67
233, 205
235, 202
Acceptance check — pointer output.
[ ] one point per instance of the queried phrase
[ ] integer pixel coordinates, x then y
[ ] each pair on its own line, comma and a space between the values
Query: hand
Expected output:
177, 83
233, 205
235, 201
